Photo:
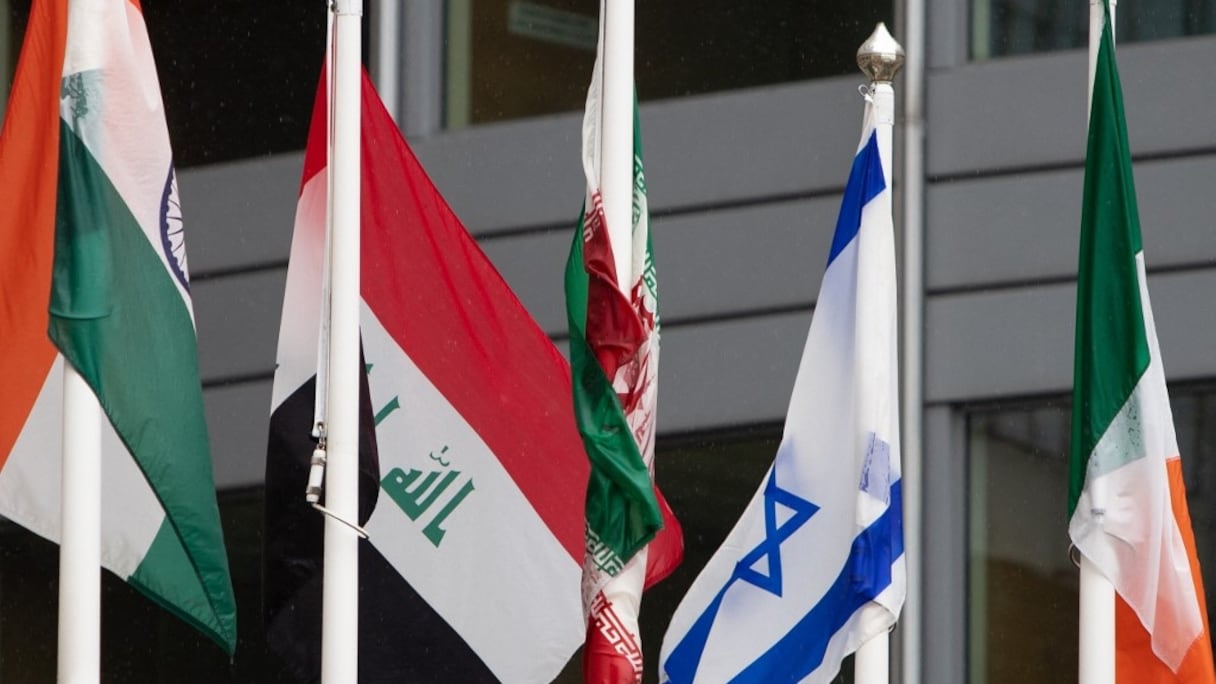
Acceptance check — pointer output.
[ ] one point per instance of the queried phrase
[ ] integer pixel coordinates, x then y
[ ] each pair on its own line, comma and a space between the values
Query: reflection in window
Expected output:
1022, 587
1013, 27
514, 58
237, 78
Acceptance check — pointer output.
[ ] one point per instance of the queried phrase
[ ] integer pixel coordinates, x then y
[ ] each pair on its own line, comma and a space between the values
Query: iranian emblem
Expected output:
172, 233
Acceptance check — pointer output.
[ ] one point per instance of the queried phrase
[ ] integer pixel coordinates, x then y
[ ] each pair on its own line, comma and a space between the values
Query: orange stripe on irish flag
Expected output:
1135, 662
29, 148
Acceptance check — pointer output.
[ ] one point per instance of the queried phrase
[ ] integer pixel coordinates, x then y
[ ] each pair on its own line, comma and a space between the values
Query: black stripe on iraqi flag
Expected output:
401, 638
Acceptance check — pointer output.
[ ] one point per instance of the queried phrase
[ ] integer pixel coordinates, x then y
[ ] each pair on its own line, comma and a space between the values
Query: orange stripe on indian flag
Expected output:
29, 148
1135, 662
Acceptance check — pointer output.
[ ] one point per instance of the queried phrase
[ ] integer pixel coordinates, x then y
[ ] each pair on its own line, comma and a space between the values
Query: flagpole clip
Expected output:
325, 511
346, 7
316, 467
1074, 554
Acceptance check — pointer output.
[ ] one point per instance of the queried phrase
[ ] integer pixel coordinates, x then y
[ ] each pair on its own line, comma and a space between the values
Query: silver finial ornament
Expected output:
881, 56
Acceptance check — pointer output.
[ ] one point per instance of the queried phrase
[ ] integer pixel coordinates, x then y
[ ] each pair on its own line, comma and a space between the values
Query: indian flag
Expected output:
1128, 502
614, 359
91, 251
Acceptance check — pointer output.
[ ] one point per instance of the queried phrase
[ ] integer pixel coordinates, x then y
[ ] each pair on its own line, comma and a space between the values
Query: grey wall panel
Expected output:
1029, 111
238, 417
729, 373
238, 323
1005, 229
752, 143
713, 263
1026, 227
722, 147
947, 38
240, 214
1020, 341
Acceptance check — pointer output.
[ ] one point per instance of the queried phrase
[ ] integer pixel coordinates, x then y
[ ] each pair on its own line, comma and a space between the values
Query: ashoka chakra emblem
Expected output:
172, 233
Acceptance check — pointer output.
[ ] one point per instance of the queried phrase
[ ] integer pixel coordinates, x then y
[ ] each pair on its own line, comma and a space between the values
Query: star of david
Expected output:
774, 534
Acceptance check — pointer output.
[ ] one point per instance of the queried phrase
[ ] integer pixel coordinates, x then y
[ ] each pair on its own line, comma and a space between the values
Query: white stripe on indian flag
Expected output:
30, 484
499, 614
125, 130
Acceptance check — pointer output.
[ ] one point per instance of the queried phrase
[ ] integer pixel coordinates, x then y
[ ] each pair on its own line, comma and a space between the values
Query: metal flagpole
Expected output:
912, 362
616, 162
1096, 633
340, 594
80, 545
880, 58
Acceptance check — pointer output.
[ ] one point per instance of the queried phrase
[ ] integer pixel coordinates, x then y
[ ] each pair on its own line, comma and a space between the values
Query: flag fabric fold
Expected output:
471, 469
815, 566
95, 275
1126, 494
632, 537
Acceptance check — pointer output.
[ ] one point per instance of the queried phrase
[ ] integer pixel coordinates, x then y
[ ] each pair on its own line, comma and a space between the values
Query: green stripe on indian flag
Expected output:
118, 315
448, 509
1124, 521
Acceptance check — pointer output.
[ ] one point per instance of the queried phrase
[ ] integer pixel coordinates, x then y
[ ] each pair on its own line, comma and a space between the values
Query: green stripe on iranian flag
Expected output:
1122, 429
614, 356
614, 345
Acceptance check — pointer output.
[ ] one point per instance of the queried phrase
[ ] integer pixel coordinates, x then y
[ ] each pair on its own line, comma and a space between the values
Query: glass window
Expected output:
1022, 587
238, 78
1012, 27
514, 58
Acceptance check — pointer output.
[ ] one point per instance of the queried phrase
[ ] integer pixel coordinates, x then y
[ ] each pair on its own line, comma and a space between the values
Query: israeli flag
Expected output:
815, 567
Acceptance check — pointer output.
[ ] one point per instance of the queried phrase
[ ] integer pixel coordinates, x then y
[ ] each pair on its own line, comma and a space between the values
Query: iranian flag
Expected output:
471, 471
92, 251
1128, 502
632, 538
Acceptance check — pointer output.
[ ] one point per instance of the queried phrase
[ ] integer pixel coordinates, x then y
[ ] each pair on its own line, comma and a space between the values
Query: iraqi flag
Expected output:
471, 570
815, 566
92, 251
1128, 501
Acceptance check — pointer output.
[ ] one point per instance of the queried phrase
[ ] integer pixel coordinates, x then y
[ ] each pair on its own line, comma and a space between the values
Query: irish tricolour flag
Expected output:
91, 252
1126, 492
474, 509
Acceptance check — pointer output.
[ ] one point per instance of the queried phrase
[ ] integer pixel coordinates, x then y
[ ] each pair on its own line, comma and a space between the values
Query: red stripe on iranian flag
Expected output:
445, 305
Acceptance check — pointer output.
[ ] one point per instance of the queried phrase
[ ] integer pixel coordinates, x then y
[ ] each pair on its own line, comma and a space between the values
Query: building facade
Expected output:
749, 119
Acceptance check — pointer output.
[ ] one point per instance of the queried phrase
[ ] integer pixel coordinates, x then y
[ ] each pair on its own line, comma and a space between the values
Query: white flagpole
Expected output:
80, 543
340, 593
1096, 633
880, 58
616, 161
